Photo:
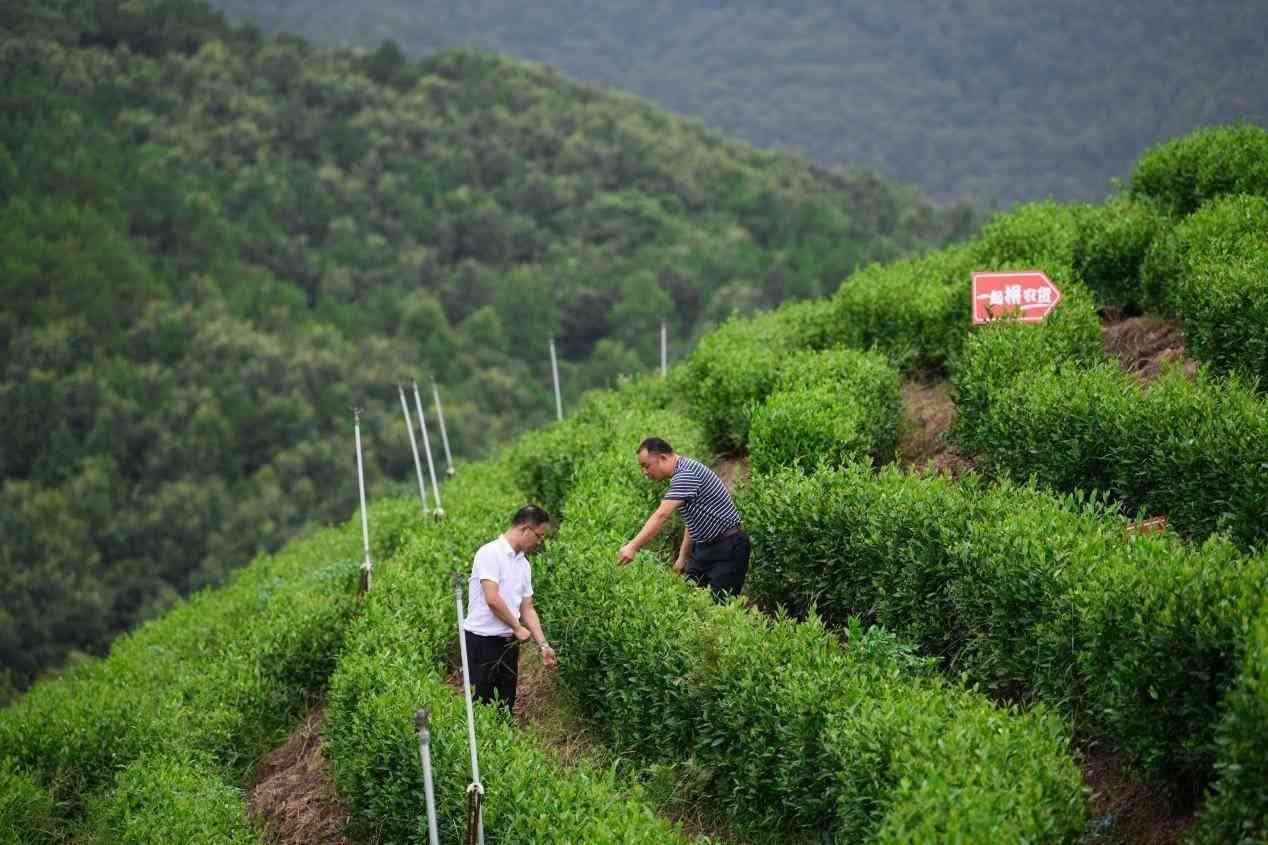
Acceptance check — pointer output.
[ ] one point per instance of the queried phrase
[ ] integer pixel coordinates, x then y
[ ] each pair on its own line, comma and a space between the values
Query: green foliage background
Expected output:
214, 244
992, 100
169, 392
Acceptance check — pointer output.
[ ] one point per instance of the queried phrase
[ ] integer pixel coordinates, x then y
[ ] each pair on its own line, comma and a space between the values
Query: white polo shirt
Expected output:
498, 562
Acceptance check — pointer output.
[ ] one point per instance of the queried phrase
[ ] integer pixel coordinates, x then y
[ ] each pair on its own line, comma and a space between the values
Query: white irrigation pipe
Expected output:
664, 349
365, 525
444, 435
554, 371
439, 512
475, 785
413, 445
424, 754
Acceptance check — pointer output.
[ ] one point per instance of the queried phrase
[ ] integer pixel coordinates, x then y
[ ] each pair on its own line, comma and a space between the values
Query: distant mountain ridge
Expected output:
992, 101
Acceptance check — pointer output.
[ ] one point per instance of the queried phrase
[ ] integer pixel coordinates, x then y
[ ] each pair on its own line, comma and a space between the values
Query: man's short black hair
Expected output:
529, 515
655, 446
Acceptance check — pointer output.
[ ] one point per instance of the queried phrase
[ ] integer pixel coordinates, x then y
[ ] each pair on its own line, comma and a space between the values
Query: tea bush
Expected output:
997, 353
832, 406
1192, 448
1224, 306
850, 543
915, 312
1058, 425
162, 798
1185, 173
27, 815
1210, 273
545, 462
736, 366
807, 427
220, 675
978, 786
1162, 628
1111, 243
1225, 230
1196, 450
772, 710
1029, 595
1040, 235
1237, 811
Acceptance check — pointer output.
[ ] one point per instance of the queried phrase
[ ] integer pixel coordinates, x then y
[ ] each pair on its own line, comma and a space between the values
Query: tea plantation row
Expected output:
1151, 643
788, 730
151, 743
154, 743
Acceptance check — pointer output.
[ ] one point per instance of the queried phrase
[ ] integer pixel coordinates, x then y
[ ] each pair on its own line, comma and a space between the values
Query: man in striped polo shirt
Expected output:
715, 550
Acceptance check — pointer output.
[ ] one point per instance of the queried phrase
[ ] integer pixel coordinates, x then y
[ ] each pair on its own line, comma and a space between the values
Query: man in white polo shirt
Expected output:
500, 612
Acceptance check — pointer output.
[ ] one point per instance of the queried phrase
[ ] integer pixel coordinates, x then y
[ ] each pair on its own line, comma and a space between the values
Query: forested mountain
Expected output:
991, 100
213, 245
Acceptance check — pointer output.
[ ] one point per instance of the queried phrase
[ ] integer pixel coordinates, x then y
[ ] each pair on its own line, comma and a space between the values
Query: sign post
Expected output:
1028, 295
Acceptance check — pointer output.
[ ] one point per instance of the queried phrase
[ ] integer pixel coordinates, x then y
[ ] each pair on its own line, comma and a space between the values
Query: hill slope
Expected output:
214, 245
984, 99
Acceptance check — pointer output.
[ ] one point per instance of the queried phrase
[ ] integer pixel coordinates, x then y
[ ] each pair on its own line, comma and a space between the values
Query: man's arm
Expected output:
684, 551
529, 614
650, 529
493, 598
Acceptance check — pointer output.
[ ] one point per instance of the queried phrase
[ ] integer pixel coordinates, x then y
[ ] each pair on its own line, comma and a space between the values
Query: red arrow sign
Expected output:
1027, 294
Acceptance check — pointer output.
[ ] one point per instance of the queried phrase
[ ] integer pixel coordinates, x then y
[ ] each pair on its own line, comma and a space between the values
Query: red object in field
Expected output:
1026, 294
1153, 525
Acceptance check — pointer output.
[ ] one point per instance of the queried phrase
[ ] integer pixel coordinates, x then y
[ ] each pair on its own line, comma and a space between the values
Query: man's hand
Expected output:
626, 554
548, 657
521, 633
680, 564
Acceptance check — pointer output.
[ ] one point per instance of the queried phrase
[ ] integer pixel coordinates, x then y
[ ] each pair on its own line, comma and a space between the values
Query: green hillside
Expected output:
214, 245
991, 100
925, 658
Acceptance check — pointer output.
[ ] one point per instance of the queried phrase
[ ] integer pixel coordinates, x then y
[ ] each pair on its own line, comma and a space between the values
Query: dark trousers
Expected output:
494, 663
720, 565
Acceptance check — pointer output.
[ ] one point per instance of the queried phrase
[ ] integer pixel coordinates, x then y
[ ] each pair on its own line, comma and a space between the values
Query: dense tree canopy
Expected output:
213, 245
992, 100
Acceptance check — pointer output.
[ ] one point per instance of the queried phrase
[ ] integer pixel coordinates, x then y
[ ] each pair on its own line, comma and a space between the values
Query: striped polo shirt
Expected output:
706, 506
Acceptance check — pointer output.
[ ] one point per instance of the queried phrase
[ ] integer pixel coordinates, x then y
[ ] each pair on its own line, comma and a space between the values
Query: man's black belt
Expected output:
730, 532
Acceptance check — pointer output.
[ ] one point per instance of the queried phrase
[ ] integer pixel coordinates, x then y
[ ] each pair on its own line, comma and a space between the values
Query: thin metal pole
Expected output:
366, 567
439, 512
413, 445
424, 754
466, 689
444, 435
664, 349
554, 371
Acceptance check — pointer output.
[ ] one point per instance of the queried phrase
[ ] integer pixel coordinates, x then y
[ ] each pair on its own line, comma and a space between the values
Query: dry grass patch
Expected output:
928, 412
1126, 811
1143, 345
294, 796
732, 471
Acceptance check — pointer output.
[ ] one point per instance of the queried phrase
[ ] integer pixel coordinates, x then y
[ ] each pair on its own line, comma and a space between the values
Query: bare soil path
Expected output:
294, 796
